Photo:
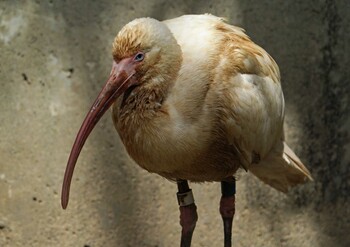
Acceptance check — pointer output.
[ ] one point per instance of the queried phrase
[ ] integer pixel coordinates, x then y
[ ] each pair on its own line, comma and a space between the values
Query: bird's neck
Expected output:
141, 104
145, 100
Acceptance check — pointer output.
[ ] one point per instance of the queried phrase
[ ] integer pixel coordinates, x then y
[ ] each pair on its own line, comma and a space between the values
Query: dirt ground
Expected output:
54, 58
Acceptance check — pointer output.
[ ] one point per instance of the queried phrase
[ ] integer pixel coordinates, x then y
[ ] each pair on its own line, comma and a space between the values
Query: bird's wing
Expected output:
253, 116
254, 112
221, 62
281, 168
248, 81
240, 82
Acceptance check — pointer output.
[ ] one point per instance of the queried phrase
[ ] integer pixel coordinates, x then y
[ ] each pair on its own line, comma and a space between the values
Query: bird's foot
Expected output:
188, 219
188, 212
227, 210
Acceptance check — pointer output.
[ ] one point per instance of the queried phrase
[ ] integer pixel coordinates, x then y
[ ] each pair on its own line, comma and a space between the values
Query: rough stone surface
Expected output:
54, 57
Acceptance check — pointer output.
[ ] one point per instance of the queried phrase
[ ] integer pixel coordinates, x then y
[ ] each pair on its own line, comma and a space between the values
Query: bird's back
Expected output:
222, 67
233, 84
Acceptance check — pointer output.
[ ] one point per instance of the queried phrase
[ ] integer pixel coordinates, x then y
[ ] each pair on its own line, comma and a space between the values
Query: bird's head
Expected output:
145, 53
148, 47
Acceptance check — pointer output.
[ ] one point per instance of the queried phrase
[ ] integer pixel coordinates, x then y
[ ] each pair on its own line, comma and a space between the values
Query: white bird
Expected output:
195, 99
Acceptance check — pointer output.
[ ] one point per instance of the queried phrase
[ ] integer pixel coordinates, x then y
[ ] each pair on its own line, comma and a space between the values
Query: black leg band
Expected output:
228, 188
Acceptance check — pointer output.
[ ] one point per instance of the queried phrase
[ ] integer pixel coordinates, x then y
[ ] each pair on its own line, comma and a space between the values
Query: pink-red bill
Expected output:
119, 80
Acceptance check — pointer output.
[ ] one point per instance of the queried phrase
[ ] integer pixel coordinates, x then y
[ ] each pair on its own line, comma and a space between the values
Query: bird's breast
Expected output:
168, 144
160, 145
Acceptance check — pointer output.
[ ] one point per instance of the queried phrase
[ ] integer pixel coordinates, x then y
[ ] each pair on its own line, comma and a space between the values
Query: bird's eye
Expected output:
139, 56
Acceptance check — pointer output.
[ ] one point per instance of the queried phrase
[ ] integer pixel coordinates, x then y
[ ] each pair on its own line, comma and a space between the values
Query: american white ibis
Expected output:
195, 99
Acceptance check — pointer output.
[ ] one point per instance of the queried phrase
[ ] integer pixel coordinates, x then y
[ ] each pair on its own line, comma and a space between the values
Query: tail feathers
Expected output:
281, 168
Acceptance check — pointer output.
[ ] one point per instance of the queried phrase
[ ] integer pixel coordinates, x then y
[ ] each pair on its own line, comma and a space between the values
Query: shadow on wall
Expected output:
304, 38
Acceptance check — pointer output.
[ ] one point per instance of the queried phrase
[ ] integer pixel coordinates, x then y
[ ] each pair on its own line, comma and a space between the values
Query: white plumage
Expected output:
195, 99
222, 109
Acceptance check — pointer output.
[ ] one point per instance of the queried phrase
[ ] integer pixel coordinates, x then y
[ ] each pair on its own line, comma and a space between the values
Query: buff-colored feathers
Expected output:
243, 54
209, 102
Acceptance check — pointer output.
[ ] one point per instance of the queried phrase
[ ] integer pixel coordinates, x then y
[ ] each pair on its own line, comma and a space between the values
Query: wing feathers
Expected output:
281, 169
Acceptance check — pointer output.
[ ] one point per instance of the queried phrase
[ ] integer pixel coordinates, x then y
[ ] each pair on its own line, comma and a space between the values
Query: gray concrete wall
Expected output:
54, 57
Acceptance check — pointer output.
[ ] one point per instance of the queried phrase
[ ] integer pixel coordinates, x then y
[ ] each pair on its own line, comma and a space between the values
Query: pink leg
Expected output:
227, 209
188, 212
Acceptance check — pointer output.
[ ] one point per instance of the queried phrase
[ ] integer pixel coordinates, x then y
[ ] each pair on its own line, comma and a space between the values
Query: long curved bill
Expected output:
117, 83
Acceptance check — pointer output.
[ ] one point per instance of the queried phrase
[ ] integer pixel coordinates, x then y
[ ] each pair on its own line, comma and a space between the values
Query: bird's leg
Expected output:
188, 212
227, 208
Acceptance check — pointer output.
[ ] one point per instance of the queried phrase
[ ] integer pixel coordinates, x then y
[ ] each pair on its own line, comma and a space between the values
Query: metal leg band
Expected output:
185, 199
